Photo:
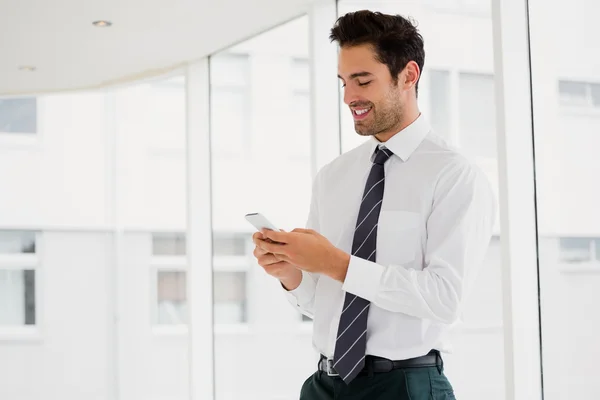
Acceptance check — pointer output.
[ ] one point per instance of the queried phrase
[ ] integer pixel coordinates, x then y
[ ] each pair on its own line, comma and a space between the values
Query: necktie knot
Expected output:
382, 155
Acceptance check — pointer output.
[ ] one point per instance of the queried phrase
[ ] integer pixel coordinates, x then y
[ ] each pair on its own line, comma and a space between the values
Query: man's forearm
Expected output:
292, 281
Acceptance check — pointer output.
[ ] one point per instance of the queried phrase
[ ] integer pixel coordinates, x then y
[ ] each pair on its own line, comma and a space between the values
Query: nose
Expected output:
349, 96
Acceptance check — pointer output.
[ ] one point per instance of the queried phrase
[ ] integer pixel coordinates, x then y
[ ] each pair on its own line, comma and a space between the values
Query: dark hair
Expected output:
396, 39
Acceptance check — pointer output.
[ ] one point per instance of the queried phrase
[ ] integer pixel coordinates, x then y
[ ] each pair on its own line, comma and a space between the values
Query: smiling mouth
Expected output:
361, 113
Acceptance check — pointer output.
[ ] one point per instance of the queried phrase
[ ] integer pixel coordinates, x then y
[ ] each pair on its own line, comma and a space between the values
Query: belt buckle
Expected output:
329, 367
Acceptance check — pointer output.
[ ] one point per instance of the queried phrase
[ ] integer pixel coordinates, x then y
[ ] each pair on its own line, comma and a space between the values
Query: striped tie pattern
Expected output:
350, 346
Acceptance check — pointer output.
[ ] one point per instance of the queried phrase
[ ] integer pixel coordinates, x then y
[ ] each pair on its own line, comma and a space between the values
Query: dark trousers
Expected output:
425, 383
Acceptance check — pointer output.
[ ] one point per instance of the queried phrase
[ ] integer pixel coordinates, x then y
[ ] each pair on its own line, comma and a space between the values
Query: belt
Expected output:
379, 364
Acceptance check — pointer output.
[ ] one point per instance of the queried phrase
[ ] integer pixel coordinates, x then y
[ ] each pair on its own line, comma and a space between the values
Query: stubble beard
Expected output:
380, 121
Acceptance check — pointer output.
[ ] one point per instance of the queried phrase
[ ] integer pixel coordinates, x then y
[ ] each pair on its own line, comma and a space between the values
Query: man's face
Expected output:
375, 100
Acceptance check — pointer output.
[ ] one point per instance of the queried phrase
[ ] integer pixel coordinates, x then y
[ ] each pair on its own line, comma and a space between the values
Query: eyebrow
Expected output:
357, 75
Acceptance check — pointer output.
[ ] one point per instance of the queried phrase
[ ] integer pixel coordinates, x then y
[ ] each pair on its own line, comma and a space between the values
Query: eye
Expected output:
364, 83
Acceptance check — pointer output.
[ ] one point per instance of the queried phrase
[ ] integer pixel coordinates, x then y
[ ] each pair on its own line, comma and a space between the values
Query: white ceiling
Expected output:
148, 37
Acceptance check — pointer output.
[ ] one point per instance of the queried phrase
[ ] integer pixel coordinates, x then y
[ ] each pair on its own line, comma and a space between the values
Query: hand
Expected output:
308, 250
289, 276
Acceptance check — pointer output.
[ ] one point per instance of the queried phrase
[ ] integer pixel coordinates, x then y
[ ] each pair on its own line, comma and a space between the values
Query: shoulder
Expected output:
448, 161
344, 163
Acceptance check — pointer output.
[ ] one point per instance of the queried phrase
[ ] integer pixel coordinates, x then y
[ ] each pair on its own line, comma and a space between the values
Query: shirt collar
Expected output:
404, 143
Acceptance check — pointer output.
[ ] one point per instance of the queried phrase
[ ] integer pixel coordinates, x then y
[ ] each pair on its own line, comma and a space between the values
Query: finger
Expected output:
302, 230
269, 247
277, 236
257, 236
283, 258
276, 269
268, 259
258, 252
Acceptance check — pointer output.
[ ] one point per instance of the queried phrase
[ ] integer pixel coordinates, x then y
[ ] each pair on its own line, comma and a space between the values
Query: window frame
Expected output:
166, 263
22, 262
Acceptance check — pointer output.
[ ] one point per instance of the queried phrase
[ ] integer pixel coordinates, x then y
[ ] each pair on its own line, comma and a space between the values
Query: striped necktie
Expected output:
351, 342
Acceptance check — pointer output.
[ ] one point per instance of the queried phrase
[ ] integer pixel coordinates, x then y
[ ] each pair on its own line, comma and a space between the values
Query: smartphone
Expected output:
260, 222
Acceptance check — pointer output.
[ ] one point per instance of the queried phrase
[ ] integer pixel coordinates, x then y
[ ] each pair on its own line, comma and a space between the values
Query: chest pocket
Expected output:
398, 236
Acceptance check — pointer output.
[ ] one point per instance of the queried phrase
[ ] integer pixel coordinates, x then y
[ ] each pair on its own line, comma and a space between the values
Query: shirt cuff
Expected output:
363, 278
304, 293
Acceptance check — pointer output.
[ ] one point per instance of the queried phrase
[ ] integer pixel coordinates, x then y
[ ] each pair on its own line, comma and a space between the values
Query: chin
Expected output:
363, 130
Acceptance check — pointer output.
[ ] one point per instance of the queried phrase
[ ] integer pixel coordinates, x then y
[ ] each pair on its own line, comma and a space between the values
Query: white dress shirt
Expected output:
435, 225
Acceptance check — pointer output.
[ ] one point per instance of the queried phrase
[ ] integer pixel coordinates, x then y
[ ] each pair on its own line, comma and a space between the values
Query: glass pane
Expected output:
567, 166
440, 99
296, 139
18, 115
251, 313
230, 116
461, 105
301, 74
230, 297
15, 242
171, 298
150, 163
17, 297
574, 250
230, 245
572, 93
477, 114
168, 244
595, 94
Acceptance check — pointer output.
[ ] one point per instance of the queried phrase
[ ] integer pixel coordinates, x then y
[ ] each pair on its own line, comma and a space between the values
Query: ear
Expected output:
410, 75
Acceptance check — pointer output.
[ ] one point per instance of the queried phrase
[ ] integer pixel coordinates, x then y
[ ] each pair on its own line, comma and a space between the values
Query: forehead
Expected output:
358, 58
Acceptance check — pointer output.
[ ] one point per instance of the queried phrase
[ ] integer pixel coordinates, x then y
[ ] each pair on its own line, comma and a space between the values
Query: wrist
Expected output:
341, 266
292, 280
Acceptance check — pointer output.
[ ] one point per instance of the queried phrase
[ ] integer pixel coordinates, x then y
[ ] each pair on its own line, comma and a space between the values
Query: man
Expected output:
397, 230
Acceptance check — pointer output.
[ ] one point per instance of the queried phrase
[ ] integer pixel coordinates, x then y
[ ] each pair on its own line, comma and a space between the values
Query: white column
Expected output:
199, 232
112, 202
324, 88
517, 200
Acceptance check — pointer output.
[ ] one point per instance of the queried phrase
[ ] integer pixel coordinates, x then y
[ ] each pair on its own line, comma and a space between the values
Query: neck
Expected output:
411, 114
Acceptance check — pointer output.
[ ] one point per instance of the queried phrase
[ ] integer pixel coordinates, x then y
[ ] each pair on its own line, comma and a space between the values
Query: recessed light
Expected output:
28, 68
102, 23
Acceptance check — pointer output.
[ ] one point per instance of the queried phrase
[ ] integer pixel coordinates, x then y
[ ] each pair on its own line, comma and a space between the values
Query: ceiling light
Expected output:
28, 68
102, 23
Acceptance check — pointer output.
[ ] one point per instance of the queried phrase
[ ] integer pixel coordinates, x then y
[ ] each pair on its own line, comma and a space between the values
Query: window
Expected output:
477, 115
170, 271
461, 109
440, 100
230, 295
579, 94
249, 308
171, 298
230, 103
18, 115
169, 244
574, 250
300, 108
567, 204
230, 276
230, 245
18, 262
